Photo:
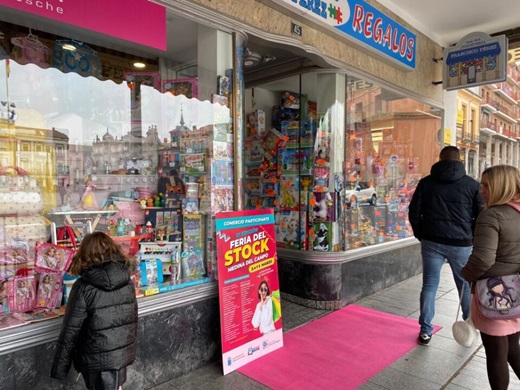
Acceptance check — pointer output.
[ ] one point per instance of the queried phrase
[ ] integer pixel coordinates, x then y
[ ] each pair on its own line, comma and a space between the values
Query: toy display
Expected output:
169, 254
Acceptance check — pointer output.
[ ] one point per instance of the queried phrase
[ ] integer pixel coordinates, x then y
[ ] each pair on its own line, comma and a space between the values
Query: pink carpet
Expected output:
341, 350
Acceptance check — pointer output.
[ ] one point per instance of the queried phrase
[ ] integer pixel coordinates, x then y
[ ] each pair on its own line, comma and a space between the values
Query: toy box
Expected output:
50, 290
222, 173
290, 100
323, 207
170, 219
307, 133
221, 199
322, 236
151, 272
290, 229
190, 205
291, 130
193, 163
255, 125
193, 264
22, 293
289, 192
53, 257
169, 255
193, 232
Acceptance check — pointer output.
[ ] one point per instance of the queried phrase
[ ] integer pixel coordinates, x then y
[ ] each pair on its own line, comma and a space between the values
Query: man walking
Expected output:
442, 212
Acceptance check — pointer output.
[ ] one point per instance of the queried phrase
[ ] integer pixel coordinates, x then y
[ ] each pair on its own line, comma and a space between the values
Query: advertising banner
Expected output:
139, 21
249, 292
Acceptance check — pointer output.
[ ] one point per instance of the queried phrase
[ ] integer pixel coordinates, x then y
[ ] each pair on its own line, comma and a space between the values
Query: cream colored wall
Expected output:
331, 45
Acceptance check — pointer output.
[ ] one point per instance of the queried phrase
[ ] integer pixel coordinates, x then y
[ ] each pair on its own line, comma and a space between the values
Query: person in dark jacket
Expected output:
443, 212
99, 331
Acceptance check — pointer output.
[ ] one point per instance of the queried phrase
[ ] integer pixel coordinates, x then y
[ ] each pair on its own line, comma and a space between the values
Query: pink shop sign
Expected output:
139, 21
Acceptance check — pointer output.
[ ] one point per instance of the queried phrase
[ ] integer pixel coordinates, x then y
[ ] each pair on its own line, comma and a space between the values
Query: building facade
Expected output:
329, 121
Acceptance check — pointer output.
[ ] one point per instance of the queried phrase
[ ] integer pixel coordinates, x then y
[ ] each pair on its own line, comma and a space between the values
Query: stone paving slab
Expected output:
441, 365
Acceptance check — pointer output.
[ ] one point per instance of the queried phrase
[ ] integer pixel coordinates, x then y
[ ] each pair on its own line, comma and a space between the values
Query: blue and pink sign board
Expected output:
139, 21
361, 23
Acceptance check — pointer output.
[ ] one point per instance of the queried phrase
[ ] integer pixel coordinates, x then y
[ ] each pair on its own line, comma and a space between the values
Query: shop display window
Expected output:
89, 142
337, 158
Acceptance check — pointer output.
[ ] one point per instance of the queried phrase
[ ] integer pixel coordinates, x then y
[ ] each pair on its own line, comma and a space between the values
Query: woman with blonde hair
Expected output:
496, 253
99, 331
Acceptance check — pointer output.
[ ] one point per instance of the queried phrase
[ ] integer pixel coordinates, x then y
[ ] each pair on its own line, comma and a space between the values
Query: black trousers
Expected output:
104, 380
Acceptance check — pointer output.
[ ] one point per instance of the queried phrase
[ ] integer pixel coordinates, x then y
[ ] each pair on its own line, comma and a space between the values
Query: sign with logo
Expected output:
363, 24
139, 21
477, 59
249, 292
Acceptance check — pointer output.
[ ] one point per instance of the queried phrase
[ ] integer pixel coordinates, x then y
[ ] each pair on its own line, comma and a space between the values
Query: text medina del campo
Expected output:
245, 247
367, 22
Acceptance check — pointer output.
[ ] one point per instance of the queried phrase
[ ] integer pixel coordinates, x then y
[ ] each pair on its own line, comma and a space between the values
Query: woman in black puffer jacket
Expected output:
99, 331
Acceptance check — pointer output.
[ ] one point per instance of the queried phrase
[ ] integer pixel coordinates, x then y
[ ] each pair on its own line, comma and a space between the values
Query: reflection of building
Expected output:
498, 122
41, 152
468, 129
111, 154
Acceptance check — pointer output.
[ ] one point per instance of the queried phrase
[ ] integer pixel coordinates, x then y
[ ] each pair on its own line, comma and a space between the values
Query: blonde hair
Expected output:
96, 248
503, 184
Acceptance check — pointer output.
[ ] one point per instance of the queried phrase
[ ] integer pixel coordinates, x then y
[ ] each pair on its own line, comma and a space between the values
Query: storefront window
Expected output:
337, 158
91, 141
391, 141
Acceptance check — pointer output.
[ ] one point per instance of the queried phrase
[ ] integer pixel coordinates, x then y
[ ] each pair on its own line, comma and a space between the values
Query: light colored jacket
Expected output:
496, 244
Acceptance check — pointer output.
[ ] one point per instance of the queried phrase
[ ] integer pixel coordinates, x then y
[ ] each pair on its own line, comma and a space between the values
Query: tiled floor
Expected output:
441, 365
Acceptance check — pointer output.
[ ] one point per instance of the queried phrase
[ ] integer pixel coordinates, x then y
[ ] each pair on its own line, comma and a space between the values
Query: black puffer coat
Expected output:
99, 331
445, 205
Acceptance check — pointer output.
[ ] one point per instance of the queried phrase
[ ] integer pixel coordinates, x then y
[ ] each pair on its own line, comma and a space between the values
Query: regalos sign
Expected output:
361, 23
138, 21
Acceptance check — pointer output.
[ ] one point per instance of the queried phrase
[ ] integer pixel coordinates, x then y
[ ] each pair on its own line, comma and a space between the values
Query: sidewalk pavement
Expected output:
443, 364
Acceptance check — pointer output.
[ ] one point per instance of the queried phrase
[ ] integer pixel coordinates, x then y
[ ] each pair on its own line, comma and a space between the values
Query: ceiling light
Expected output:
251, 58
68, 46
139, 65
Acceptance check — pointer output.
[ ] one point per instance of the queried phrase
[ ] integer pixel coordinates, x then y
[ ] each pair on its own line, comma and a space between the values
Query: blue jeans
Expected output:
433, 257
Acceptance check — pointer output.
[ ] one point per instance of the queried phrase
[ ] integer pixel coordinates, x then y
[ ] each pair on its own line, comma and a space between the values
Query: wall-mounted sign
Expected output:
139, 21
361, 23
477, 59
296, 29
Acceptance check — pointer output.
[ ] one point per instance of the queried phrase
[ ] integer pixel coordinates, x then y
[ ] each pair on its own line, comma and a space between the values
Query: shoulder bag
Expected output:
464, 332
499, 297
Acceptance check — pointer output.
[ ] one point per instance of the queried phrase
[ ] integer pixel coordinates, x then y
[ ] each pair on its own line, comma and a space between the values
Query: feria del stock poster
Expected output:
249, 291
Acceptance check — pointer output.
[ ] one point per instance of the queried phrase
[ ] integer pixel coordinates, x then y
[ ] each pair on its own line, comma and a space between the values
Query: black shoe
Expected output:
424, 338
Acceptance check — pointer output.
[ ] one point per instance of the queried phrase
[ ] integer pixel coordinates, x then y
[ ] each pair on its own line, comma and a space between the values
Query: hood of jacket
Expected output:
110, 275
448, 171
514, 205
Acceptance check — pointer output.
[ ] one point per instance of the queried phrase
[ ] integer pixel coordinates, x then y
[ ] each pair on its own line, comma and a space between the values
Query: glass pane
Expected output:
391, 142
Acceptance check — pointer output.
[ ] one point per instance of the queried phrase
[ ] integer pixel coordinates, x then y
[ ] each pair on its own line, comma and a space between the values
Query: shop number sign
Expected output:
296, 29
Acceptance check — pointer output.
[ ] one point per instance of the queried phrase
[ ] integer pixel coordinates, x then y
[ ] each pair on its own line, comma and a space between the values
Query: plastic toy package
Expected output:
22, 293
49, 290
53, 257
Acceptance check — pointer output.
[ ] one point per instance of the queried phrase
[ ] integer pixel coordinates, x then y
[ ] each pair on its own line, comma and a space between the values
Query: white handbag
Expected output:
464, 332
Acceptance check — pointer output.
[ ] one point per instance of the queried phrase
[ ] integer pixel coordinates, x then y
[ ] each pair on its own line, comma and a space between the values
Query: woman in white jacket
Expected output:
263, 317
